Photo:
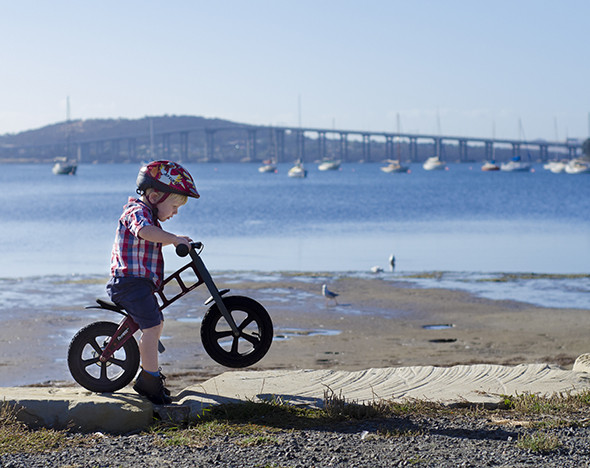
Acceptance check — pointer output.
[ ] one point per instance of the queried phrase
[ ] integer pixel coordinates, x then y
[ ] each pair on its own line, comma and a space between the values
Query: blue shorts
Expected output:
136, 296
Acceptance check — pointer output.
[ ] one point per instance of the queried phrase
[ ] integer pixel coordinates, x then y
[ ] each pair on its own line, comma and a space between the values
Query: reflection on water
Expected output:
283, 334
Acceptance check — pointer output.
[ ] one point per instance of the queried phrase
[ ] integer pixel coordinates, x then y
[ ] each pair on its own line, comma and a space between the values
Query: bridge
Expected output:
285, 143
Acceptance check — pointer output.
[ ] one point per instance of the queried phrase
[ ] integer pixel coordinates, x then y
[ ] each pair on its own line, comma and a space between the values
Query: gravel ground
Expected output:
412, 441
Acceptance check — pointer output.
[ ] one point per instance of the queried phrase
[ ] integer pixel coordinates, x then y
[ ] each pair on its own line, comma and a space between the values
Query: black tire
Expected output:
101, 377
255, 328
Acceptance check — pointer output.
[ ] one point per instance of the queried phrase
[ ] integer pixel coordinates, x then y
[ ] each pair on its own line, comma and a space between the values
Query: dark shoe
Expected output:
163, 377
152, 388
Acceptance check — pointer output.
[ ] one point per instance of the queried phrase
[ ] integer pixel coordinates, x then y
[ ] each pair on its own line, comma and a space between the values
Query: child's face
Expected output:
169, 208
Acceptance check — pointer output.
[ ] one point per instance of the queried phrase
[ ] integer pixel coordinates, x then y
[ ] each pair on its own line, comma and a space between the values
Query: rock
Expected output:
79, 409
176, 414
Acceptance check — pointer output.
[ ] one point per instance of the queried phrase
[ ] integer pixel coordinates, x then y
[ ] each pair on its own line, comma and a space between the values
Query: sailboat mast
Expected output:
68, 127
399, 149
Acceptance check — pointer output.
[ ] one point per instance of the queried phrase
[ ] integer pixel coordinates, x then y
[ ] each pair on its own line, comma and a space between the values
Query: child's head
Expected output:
167, 203
167, 177
166, 186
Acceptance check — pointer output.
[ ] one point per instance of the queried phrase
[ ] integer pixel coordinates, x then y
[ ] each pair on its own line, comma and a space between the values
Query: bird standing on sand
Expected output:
329, 294
392, 262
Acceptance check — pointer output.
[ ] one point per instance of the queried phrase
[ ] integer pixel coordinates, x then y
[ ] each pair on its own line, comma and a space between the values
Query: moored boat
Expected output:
578, 166
490, 166
555, 166
267, 166
297, 170
515, 165
394, 166
64, 166
434, 164
329, 165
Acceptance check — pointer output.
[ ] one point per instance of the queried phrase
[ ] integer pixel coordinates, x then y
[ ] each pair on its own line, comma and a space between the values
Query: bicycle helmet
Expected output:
168, 177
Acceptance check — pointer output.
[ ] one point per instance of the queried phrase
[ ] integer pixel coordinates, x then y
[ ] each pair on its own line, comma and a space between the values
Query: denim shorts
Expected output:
136, 296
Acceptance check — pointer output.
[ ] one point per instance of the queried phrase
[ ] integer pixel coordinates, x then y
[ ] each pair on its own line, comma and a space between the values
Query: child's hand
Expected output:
183, 240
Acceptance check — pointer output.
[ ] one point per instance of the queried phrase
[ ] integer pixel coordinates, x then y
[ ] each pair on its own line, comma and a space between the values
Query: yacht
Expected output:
329, 165
394, 166
555, 166
578, 166
515, 165
297, 170
490, 166
64, 166
433, 164
267, 166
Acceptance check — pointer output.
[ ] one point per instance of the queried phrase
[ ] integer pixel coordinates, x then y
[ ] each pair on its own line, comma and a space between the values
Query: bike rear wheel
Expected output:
255, 328
85, 366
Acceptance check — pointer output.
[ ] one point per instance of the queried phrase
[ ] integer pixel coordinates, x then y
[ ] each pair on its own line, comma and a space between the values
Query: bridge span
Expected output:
285, 143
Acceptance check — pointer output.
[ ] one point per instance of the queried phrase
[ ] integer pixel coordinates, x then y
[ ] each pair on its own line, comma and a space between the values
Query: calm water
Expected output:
461, 221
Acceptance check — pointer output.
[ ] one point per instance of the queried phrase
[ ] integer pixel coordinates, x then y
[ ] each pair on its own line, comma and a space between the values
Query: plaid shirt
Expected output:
131, 255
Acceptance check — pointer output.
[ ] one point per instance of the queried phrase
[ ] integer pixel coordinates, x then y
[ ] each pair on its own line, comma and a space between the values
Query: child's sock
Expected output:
155, 374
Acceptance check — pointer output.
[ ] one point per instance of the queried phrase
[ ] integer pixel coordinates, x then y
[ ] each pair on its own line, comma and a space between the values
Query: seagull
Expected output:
392, 262
329, 294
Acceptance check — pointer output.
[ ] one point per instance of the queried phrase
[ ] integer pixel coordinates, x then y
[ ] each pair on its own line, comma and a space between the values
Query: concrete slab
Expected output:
482, 384
76, 408
125, 411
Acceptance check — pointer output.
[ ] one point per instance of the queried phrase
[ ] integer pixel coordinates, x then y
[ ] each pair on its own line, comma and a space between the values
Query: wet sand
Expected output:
375, 324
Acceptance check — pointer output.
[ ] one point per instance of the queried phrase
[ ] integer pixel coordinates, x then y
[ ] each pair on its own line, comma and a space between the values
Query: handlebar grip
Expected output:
182, 250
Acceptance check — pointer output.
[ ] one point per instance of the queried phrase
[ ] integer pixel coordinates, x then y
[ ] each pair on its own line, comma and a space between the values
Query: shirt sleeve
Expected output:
135, 219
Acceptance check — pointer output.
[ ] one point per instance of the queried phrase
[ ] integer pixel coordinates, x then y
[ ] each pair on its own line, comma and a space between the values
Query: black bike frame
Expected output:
128, 327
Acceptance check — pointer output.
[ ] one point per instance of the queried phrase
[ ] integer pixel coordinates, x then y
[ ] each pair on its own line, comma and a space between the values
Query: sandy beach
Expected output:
375, 324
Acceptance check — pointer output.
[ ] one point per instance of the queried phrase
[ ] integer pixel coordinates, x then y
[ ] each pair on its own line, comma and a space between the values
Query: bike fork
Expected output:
208, 280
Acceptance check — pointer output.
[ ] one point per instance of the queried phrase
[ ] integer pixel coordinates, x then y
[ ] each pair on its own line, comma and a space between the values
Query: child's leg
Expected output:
148, 347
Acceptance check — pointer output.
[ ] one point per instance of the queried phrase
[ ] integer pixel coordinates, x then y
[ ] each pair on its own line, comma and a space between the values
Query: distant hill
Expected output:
120, 140
104, 129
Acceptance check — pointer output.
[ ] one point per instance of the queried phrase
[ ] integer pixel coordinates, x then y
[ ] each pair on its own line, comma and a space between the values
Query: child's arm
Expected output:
156, 234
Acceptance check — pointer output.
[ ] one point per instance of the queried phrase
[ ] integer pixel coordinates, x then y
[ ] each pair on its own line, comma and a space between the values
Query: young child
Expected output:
137, 263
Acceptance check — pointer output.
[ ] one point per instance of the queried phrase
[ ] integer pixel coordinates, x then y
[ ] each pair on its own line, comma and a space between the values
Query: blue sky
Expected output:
462, 66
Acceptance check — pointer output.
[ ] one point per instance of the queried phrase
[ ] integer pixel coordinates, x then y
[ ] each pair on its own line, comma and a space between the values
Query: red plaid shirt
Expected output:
131, 255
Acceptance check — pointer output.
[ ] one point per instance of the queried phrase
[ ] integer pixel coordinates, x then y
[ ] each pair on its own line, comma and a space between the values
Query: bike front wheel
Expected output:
84, 359
255, 332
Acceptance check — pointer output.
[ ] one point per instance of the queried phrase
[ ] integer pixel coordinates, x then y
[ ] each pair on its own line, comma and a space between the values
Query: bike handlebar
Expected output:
182, 250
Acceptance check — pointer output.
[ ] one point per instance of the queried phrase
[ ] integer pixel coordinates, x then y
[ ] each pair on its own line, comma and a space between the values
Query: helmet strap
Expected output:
155, 205
161, 200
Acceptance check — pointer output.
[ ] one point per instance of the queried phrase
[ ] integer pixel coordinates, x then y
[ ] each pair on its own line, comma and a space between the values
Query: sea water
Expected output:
462, 223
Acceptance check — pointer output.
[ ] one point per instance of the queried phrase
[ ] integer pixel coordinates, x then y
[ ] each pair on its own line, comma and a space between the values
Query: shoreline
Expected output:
377, 323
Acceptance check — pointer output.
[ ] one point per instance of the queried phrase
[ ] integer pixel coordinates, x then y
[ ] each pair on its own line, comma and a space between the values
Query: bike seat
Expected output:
109, 305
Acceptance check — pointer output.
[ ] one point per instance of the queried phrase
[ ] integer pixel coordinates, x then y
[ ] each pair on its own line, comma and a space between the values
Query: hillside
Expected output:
104, 129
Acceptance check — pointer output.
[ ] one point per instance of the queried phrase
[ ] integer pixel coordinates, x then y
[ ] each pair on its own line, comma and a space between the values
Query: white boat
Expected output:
515, 165
297, 170
578, 166
267, 166
490, 166
555, 166
329, 165
64, 166
394, 166
434, 164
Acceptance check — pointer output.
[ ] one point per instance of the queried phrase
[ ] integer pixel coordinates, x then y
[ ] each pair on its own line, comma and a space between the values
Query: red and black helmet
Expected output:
166, 176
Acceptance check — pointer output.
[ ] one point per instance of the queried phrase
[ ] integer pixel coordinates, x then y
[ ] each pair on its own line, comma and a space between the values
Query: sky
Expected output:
479, 68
